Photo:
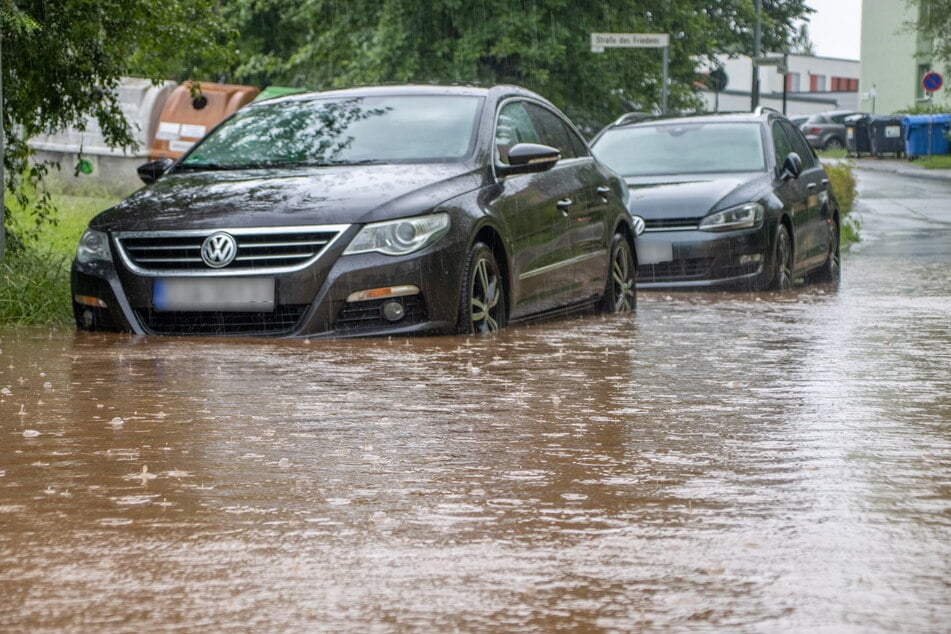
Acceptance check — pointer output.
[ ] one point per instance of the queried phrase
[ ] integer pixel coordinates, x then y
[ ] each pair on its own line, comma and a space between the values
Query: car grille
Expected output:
673, 271
368, 315
278, 250
282, 321
672, 224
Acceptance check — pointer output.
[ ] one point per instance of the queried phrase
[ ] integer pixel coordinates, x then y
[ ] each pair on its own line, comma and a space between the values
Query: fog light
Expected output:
756, 258
87, 318
393, 311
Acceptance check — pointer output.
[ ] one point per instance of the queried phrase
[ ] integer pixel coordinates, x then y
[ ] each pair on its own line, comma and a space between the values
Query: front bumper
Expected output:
694, 258
312, 302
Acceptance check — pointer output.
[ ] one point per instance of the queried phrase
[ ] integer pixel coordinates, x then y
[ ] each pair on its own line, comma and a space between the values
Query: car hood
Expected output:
676, 197
298, 196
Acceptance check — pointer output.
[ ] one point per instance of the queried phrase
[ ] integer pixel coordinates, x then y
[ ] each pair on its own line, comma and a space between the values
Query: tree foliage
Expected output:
934, 23
63, 59
540, 44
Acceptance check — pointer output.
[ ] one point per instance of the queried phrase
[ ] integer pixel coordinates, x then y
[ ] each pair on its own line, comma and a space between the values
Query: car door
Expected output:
589, 204
791, 191
534, 211
814, 238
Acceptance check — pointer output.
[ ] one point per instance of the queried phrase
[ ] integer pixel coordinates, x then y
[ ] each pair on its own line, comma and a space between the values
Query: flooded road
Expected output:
733, 462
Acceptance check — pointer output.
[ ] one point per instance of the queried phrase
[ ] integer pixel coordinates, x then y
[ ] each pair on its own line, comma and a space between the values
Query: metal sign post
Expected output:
601, 41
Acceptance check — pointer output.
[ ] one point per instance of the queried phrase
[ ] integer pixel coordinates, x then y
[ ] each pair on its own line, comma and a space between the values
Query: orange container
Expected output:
187, 117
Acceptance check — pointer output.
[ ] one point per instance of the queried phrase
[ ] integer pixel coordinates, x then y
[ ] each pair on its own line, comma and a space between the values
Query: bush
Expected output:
842, 179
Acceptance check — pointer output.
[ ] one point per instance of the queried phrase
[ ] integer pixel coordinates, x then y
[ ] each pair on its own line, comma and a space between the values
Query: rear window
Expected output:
682, 148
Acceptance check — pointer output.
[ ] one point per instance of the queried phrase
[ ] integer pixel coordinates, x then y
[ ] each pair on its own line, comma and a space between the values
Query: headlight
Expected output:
742, 217
399, 237
93, 245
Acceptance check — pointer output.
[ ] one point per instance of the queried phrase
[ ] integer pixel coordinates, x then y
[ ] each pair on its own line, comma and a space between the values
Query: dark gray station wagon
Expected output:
370, 211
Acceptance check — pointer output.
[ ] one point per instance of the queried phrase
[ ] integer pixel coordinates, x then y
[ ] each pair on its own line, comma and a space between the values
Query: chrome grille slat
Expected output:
264, 251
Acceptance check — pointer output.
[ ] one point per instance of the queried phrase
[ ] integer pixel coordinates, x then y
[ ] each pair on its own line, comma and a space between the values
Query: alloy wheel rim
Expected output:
623, 280
834, 253
484, 298
783, 256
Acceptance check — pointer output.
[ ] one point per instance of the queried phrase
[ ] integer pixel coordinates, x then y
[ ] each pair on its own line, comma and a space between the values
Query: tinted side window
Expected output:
513, 126
581, 148
799, 145
552, 130
781, 145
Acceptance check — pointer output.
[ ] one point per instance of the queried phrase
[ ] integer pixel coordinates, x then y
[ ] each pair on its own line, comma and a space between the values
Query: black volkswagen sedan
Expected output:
371, 211
730, 199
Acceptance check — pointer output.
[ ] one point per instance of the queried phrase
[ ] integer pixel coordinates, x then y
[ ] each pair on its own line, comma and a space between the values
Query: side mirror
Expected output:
153, 170
527, 158
792, 166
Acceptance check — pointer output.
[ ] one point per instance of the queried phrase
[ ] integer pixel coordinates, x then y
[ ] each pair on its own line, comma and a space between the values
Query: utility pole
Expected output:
757, 35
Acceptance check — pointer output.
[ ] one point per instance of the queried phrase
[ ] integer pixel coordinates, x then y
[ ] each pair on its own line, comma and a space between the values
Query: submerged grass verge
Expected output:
35, 289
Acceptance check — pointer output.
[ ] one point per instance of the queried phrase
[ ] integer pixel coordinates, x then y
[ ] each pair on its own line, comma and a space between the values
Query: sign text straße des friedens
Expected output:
629, 40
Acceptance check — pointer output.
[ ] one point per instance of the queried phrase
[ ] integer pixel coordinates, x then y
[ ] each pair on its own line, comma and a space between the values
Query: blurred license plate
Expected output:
654, 251
244, 294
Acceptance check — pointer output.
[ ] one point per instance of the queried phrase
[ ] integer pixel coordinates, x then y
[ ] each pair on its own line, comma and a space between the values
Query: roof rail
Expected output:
631, 117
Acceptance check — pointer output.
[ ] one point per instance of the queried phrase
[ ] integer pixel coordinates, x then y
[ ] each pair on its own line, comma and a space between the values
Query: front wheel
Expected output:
482, 305
782, 261
620, 292
830, 271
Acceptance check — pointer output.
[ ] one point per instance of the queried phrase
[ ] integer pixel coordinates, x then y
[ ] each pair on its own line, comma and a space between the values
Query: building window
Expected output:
792, 82
817, 83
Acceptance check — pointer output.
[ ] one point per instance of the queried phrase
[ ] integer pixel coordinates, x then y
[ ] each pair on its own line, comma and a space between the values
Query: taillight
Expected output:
815, 131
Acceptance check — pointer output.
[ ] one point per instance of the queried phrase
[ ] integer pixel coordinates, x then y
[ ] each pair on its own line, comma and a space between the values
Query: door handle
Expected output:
604, 190
564, 204
811, 185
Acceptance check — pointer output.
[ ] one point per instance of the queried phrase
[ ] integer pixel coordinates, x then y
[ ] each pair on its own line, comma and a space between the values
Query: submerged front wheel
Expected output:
620, 292
482, 306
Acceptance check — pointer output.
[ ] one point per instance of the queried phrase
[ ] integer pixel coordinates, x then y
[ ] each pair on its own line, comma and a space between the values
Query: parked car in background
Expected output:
372, 211
826, 130
730, 199
798, 119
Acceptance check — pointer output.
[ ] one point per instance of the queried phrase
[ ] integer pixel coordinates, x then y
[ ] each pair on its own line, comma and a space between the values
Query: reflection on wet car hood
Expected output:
296, 196
674, 196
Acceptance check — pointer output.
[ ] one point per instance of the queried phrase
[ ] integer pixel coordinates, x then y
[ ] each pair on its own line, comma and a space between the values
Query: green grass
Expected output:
940, 162
833, 154
34, 279
35, 289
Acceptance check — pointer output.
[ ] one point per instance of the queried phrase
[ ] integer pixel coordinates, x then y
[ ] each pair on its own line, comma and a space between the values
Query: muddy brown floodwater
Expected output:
718, 462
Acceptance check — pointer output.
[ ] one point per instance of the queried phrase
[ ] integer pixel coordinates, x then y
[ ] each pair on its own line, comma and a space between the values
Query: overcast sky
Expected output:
835, 28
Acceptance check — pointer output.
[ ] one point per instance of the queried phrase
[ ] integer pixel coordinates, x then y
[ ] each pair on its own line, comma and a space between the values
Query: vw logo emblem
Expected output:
219, 250
639, 225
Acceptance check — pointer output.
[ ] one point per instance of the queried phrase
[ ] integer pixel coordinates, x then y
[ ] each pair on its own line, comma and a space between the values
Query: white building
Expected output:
896, 57
812, 84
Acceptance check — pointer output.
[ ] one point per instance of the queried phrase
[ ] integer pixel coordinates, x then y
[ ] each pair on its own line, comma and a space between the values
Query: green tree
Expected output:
934, 24
540, 44
62, 61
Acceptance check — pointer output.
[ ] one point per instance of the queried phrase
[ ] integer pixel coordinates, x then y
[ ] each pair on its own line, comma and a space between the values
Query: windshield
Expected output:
380, 129
682, 148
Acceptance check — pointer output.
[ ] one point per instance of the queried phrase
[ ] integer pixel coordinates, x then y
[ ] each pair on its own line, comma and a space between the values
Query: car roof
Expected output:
719, 117
499, 90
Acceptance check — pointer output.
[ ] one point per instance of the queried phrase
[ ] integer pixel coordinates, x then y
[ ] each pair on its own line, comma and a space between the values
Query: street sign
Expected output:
932, 82
601, 41
779, 61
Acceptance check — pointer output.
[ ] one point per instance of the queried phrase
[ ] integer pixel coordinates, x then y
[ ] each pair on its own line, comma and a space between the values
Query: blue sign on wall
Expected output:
932, 82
